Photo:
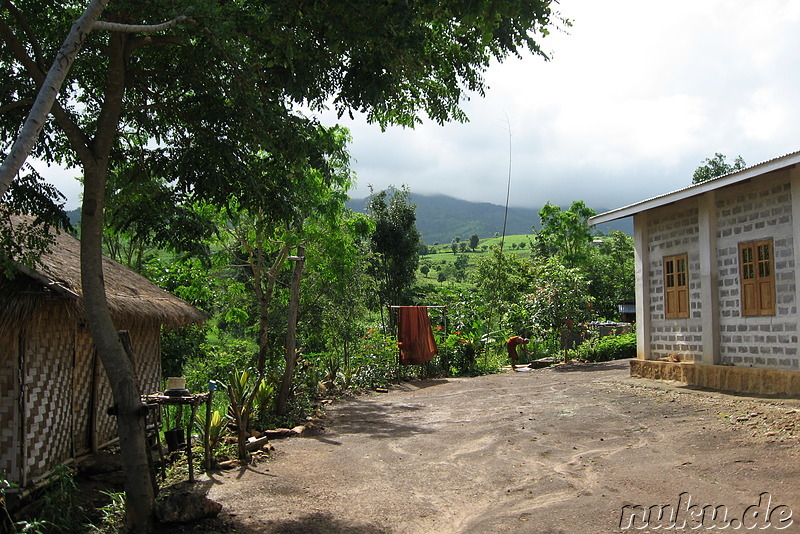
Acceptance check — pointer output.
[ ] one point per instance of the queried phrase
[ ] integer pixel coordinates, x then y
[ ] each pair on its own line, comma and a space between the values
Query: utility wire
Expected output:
502, 241
508, 186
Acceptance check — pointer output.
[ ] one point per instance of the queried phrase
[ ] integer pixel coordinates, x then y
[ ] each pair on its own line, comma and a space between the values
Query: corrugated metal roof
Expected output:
759, 169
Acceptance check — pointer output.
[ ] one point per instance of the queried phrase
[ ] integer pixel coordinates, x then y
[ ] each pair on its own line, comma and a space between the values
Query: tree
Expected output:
338, 287
262, 240
460, 267
473, 242
716, 167
560, 300
610, 272
425, 268
565, 233
216, 94
394, 244
502, 279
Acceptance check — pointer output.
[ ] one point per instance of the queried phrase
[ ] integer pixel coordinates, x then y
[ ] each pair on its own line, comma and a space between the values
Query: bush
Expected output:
608, 348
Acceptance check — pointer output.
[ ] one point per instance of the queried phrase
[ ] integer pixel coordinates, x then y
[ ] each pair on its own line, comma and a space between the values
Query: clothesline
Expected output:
415, 342
396, 307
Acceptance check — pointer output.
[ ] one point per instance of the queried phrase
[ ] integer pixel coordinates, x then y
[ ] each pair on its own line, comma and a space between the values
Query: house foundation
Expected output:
751, 380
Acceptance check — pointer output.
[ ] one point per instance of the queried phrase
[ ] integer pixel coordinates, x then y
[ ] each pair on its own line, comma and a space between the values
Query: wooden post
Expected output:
206, 438
189, 453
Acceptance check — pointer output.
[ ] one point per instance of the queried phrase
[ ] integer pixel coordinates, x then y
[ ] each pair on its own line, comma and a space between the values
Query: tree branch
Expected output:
137, 28
108, 121
23, 22
67, 123
152, 40
47, 94
14, 105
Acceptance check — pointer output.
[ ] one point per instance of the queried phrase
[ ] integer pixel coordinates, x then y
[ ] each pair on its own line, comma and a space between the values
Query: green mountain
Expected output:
441, 218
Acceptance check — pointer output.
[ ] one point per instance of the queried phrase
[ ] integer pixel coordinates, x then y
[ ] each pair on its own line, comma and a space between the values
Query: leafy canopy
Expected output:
565, 233
716, 167
394, 244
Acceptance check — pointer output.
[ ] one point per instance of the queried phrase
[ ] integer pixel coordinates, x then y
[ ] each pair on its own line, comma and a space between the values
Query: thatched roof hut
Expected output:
53, 390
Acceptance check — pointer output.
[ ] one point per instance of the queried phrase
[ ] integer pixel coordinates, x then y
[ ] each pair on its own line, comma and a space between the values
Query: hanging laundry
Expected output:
415, 335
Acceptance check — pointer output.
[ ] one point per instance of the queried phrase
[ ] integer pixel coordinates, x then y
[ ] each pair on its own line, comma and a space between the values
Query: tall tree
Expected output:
218, 88
565, 233
610, 272
394, 243
337, 286
716, 167
473, 241
560, 300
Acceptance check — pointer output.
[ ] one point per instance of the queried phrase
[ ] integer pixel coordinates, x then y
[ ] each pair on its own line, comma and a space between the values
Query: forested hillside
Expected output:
441, 218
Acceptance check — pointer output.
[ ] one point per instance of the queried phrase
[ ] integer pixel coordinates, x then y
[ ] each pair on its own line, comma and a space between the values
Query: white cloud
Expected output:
637, 95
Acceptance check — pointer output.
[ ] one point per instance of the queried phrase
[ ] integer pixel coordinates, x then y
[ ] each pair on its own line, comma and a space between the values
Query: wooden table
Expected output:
193, 400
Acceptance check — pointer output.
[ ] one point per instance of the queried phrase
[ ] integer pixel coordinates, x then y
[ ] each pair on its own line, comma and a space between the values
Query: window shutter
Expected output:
757, 278
676, 287
748, 276
766, 283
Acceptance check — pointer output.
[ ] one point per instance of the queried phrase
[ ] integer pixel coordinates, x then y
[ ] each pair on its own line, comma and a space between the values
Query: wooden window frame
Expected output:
676, 286
757, 278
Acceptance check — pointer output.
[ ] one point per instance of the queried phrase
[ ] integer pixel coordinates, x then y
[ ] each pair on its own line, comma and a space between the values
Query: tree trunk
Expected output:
140, 498
291, 334
47, 94
264, 283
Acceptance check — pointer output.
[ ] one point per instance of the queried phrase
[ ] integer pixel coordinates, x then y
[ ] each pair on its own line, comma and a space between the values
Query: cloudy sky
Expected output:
636, 96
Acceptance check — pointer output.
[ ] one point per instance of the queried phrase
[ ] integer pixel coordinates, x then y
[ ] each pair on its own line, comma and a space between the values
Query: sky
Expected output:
635, 97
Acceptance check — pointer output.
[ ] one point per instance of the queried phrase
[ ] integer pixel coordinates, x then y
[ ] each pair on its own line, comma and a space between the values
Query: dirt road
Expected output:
547, 451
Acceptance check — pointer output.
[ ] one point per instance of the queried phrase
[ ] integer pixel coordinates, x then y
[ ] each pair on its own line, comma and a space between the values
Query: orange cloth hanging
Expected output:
415, 335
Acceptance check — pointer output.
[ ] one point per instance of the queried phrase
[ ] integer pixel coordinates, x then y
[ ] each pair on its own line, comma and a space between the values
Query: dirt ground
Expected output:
559, 450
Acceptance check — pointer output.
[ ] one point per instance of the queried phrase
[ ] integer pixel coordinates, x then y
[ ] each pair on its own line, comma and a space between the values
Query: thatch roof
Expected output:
129, 294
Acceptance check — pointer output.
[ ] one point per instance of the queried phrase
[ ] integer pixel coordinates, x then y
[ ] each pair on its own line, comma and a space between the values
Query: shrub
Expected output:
608, 348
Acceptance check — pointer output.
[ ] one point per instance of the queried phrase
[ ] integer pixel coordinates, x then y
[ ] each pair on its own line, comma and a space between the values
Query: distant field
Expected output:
513, 244
508, 245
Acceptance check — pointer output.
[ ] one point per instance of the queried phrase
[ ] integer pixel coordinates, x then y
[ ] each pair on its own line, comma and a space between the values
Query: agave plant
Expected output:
242, 393
216, 427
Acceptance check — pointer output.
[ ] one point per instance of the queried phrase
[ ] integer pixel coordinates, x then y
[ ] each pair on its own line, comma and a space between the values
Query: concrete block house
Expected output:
716, 280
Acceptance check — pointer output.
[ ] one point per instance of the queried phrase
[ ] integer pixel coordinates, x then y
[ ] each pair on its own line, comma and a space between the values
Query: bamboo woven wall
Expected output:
147, 348
146, 343
105, 426
9, 405
82, 391
47, 365
63, 410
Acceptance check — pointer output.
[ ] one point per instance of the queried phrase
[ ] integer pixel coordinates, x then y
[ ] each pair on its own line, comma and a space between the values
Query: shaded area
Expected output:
425, 383
576, 367
377, 420
316, 523
320, 523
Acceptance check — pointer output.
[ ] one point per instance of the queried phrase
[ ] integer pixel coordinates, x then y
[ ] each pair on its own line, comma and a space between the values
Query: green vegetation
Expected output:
217, 189
55, 510
608, 348
715, 167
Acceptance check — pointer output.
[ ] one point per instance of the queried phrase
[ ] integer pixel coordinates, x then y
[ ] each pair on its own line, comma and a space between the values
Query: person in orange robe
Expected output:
511, 346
